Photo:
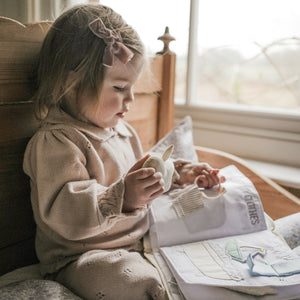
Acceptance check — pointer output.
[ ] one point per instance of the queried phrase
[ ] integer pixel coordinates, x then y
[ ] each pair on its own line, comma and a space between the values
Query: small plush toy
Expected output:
162, 164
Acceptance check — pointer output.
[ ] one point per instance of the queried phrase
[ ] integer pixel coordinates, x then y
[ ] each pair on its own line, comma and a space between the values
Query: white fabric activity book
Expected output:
221, 247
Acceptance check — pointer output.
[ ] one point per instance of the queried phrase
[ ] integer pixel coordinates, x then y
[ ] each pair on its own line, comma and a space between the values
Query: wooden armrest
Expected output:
277, 201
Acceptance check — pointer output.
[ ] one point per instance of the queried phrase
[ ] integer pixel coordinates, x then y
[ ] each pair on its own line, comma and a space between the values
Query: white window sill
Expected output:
257, 134
283, 175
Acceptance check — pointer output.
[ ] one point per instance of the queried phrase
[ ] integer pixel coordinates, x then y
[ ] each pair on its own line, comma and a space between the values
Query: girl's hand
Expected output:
188, 172
142, 185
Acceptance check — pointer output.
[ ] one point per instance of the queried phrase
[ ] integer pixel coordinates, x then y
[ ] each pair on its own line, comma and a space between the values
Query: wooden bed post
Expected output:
166, 105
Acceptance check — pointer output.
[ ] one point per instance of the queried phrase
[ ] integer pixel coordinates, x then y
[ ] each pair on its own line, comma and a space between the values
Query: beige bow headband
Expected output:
113, 41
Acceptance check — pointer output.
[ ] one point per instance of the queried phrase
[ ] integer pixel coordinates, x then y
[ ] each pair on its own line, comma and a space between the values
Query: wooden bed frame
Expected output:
152, 115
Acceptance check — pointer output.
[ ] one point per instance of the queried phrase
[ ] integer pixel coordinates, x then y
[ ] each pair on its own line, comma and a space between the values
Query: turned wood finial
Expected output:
166, 38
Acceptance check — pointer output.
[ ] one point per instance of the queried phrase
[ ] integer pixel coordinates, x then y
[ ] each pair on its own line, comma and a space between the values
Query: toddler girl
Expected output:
89, 191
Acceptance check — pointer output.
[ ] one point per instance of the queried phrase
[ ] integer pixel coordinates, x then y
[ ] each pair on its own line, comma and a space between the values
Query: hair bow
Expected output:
113, 41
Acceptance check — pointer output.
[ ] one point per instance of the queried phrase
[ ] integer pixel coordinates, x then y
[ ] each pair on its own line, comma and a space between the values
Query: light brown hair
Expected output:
71, 46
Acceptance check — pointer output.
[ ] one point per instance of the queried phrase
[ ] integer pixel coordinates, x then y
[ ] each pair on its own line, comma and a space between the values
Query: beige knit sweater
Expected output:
76, 173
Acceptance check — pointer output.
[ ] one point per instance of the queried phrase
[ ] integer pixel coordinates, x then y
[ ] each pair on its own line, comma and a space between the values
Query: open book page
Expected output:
224, 262
237, 211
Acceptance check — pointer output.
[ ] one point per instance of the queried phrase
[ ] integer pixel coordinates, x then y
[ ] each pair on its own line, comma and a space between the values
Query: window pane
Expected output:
150, 18
249, 53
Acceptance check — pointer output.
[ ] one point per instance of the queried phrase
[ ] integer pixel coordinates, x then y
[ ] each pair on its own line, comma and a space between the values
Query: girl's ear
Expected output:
70, 86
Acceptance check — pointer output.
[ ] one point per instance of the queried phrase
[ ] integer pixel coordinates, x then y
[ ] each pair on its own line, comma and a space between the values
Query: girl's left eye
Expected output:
119, 89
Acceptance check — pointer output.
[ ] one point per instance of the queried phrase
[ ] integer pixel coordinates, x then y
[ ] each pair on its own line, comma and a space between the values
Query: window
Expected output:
242, 100
248, 52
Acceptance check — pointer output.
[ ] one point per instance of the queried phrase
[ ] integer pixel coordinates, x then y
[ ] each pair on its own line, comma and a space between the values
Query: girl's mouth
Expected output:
121, 114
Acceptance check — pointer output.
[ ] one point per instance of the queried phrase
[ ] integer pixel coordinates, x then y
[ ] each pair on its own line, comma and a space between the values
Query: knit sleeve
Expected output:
65, 197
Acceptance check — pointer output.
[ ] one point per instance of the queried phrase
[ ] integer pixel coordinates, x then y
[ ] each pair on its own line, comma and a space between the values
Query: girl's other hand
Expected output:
142, 185
207, 177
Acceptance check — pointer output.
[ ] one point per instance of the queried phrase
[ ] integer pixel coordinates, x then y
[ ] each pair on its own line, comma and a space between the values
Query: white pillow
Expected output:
182, 138
20, 274
27, 283
36, 289
289, 228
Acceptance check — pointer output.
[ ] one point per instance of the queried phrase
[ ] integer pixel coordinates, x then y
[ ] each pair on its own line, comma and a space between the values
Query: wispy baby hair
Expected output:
70, 46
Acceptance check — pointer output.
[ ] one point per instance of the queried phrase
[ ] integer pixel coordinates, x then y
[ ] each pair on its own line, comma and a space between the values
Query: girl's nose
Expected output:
129, 96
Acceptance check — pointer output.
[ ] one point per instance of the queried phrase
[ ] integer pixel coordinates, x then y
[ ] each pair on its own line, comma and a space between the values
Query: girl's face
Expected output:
115, 96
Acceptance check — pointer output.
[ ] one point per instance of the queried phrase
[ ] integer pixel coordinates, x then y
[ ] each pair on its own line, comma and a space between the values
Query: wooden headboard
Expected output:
151, 115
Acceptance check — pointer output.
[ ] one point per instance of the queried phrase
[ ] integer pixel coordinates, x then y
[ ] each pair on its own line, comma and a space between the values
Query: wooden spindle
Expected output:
166, 38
